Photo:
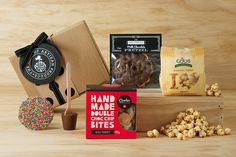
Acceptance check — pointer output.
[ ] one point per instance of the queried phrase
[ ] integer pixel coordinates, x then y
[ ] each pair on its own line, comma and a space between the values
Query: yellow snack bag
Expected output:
182, 71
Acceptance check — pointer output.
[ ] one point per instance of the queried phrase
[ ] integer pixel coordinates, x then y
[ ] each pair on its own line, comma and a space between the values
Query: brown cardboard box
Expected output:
79, 48
155, 110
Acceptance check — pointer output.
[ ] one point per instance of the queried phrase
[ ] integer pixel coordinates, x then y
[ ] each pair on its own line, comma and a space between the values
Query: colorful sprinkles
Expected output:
36, 113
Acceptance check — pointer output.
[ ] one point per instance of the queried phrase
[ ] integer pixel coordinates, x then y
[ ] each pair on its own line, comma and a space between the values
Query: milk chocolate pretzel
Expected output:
133, 68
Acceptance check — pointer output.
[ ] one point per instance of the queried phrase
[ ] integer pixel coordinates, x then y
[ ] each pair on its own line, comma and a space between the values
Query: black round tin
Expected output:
44, 64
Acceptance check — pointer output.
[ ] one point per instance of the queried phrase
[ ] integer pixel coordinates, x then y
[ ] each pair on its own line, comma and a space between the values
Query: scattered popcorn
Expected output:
213, 90
153, 133
190, 124
220, 132
171, 134
196, 114
149, 134
202, 133
191, 133
210, 132
218, 127
227, 131
179, 136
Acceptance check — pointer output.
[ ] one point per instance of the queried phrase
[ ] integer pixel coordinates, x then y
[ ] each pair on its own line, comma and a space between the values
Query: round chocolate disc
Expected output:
44, 64
35, 113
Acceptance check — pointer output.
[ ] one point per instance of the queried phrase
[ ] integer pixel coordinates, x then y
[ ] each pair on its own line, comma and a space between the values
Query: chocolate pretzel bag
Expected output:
182, 71
135, 59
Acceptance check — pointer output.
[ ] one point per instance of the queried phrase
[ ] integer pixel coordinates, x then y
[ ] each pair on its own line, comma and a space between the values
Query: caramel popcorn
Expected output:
213, 90
190, 124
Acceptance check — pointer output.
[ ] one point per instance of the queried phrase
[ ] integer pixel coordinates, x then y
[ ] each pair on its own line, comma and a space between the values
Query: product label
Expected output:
183, 62
135, 43
41, 65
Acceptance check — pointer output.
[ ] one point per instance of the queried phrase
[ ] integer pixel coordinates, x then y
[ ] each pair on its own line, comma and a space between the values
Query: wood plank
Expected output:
18, 141
155, 110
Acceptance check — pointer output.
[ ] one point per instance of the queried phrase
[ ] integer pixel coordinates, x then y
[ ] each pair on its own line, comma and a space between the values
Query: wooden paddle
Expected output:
68, 87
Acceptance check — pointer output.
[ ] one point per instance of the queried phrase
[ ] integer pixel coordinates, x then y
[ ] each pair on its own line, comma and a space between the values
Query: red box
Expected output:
110, 111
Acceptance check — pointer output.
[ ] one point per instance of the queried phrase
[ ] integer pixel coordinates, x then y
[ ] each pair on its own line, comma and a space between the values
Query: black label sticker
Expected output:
135, 43
103, 132
124, 102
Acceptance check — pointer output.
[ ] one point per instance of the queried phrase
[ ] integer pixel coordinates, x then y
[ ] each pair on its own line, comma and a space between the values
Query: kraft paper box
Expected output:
78, 47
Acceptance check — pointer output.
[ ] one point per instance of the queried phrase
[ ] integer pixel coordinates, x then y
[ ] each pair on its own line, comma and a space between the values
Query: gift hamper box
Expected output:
41, 66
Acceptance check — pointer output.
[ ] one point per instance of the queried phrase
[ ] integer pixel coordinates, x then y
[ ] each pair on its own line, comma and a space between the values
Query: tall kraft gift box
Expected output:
78, 47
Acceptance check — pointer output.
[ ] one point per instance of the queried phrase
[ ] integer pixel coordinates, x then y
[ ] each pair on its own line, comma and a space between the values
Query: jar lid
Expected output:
44, 64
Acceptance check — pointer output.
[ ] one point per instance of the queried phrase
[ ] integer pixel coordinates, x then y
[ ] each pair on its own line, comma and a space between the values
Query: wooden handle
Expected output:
68, 87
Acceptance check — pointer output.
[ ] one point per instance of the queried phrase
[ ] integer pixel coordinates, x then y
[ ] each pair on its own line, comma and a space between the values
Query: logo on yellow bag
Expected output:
183, 62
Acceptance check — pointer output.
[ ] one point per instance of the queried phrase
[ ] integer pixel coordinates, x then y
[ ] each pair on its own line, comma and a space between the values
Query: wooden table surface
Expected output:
191, 23
15, 140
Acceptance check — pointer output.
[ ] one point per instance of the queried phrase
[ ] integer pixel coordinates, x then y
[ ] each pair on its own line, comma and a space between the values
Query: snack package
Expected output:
110, 111
135, 59
182, 71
